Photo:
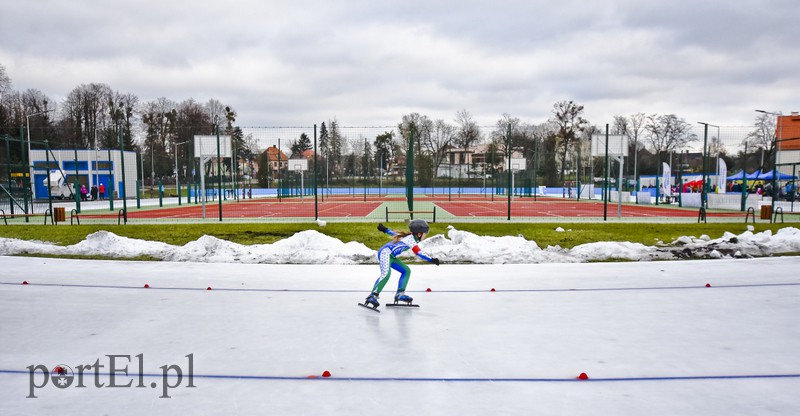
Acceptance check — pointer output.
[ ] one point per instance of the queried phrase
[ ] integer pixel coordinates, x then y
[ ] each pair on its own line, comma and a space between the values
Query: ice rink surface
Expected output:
651, 337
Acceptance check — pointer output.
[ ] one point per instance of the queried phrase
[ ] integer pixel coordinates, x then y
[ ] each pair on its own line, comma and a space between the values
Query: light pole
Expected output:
704, 193
177, 175
28, 129
774, 158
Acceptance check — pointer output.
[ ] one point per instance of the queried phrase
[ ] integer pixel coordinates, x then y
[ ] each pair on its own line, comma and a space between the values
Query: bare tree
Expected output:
568, 116
422, 127
620, 125
5, 88
468, 134
158, 119
500, 136
86, 110
763, 135
667, 133
442, 138
191, 119
122, 109
216, 111
632, 127
5, 82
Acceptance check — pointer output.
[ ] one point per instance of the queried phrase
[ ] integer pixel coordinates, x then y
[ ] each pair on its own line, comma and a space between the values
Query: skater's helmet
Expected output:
418, 226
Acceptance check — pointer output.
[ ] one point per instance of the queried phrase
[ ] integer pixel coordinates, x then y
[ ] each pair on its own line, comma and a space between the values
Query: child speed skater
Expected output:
388, 260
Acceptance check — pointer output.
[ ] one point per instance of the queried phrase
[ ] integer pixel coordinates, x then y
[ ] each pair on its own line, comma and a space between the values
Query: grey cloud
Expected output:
363, 61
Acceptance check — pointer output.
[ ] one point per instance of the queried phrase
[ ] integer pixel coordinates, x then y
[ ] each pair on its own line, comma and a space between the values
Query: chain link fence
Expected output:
393, 173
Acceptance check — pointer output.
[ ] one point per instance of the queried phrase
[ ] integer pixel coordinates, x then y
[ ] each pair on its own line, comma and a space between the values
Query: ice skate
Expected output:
371, 302
402, 300
402, 297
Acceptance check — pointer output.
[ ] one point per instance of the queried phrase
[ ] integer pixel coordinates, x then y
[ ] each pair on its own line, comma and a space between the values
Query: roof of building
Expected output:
788, 127
273, 152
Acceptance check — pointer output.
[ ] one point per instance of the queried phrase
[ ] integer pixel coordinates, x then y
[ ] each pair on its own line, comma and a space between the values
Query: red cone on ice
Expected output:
58, 370
209, 288
429, 289
146, 286
326, 374
493, 290
25, 282
583, 376
708, 284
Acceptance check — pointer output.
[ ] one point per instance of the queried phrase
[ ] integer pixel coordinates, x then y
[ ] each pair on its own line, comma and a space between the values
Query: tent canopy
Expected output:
750, 176
767, 176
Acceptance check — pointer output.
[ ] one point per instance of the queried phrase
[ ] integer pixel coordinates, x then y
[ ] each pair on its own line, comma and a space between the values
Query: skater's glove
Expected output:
382, 228
435, 261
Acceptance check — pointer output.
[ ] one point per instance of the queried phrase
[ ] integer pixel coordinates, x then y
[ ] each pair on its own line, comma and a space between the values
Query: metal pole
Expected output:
30, 166
510, 174
658, 173
365, 169
578, 170
744, 179
316, 200
177, 179
605, 181
219, 175
28, 208
78, 193
49, 185
110, 186
775, 173
774, 156
8, 171
535, 168
705, 145
235, 167
122, 190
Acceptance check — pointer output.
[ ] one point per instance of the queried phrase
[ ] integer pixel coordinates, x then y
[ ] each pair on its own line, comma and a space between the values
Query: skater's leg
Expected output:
405, 273
384, 259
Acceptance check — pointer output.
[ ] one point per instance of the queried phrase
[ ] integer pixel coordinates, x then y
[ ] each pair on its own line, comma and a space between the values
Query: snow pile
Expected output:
465, 247
104, 243
313, 247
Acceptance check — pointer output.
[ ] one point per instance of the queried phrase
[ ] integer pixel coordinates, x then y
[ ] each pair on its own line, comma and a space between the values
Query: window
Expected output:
103, 165
72, 165
41, 164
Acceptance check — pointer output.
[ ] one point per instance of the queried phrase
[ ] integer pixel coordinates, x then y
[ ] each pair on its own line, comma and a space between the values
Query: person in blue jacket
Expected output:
388, 260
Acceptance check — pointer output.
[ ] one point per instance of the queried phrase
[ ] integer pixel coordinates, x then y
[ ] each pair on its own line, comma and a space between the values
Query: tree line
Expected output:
160, 130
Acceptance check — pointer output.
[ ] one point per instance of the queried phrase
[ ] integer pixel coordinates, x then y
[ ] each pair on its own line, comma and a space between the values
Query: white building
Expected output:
92, 167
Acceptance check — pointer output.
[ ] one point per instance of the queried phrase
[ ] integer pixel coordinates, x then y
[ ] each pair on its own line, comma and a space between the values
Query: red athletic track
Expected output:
468, 207
548, 207
287, 209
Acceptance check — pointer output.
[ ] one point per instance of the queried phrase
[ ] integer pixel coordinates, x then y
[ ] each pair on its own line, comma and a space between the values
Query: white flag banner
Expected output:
665, 180
722, 173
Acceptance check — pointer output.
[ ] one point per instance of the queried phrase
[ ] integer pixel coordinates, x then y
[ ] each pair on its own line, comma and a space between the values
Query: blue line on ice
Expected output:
453, 379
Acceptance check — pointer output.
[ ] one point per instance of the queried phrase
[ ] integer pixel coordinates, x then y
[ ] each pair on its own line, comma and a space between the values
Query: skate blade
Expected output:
369, 307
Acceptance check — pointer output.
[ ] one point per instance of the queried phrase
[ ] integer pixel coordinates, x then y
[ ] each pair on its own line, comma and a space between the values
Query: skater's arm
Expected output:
423, 256
383, 228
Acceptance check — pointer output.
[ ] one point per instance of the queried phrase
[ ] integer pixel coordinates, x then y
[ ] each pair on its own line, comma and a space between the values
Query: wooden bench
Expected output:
47, 214
411, 213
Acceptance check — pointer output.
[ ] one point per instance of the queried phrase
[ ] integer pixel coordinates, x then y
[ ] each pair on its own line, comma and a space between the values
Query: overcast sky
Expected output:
287, 63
